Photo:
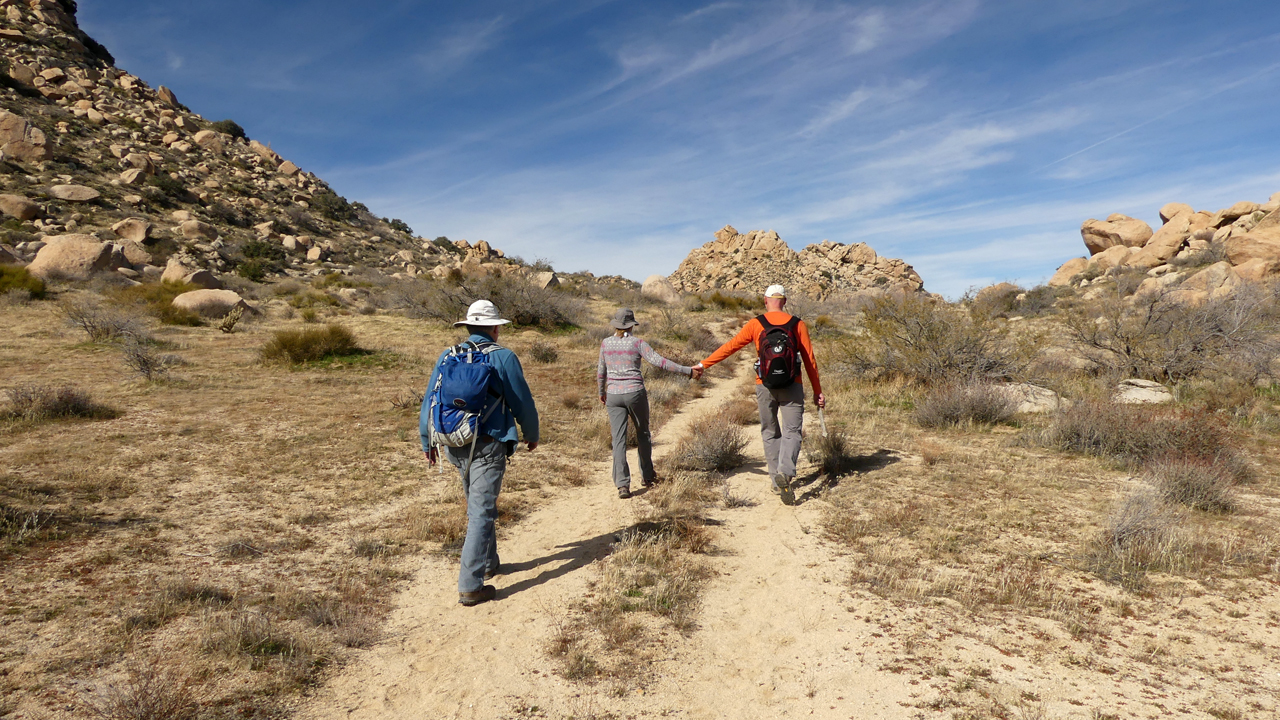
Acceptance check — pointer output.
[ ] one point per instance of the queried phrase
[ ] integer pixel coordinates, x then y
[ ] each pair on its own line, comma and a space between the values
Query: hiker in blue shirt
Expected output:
483, 466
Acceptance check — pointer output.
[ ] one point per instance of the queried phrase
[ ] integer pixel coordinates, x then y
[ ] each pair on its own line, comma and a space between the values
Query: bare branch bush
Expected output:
1161, 335
521, 302
102, 323
145, 361
973, 403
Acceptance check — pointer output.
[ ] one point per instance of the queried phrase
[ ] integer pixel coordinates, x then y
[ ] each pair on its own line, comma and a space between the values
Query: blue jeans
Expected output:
481, 483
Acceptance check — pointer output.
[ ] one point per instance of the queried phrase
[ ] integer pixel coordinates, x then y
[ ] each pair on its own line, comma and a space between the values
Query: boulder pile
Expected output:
752, 261
94, 152
1199, 252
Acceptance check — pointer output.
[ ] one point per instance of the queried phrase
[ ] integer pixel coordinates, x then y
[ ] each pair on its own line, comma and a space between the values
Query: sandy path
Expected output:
777, 636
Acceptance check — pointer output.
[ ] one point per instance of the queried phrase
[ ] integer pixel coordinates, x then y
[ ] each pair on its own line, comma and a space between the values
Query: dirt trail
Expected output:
776, 637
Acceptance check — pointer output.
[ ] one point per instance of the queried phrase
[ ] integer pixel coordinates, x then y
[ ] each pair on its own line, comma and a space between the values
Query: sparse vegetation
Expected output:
229, 127
333, 206
100, 322
14, 278
543, 352
39, 403
711, 444
972, 403
157, 300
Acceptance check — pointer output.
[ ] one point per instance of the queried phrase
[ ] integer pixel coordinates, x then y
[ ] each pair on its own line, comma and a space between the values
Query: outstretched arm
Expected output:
745, 336
653, 358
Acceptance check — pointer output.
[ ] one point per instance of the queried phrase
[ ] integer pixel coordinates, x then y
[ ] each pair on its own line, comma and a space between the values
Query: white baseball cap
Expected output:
483, 313
775, 291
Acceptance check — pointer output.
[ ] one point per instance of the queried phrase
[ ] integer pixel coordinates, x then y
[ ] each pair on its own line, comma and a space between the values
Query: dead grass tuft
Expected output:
710, 444
832, 453
309, 345
742, 411
252, 636
40, 403
153, 689
1207, 485
1139, 536
543, 352
964, 404
1134, 434
101, 323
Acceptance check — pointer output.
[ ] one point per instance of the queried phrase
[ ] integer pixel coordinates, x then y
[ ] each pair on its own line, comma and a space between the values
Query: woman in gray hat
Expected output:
622, 392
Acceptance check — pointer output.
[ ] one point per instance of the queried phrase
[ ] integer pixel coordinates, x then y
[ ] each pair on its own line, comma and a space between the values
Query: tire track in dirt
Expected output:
778, 635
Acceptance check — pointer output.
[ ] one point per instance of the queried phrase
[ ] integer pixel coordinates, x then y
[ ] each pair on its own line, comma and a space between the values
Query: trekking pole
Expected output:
822, 418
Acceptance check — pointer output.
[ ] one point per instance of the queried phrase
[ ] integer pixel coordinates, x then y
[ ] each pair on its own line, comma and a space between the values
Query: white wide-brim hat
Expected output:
483, 313
774, 291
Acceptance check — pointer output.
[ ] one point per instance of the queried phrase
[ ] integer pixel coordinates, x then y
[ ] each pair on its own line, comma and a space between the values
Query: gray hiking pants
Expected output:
781, 427
635, 406
481, 483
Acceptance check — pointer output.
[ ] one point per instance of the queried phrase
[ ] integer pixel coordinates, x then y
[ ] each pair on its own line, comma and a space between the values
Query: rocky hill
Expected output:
734, 261
100, 173
1201, 252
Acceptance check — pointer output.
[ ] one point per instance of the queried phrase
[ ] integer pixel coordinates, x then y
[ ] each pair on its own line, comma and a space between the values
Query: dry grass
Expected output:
40, 403
152, 689
964, 404
1198, 483
710, 444
310, 345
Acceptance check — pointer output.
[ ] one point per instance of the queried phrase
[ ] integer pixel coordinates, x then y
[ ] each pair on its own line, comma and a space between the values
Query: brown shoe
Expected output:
624, 492
471, 599
491, 572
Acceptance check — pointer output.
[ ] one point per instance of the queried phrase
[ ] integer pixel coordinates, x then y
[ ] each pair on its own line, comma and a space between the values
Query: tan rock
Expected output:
73, 257
141, 162
265, 152
1258, 270
1240, 209
1173, 210
1210, 278
1028, 398
167, 97
54, 75
315, 254
134, 254
1263, 243
210, 303
1111, 257
1165, 243
287, 168
1100, 235
22, 73
175, 271
194, 229
16, 206
1158, 283
203, 279
211, 141
133, 229
74, 193
1068, 270
132, 176
22, 141
1135, 391
546, 280
659, 288
1201, 221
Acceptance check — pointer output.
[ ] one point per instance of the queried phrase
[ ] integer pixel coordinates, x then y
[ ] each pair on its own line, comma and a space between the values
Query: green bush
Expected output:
333, 206
301, 346
398, 224
14, 277
229, 127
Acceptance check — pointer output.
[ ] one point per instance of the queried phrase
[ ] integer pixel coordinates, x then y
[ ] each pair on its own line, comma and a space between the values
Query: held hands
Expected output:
696, 372
602, 399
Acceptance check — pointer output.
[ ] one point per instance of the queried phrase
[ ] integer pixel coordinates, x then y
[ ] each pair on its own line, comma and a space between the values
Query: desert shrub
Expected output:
743, 411
1139, 536
832, 452
543, 352
228, 127
156, 689
228, 214
157, 300
1214, 253
102, 323
917, 338
38, 403
733, 302
146, 362
333, 206
974, 403
309, 345
523, 303
1203, 484
702, 341
14, 277
302, 219
255, 269
995, 301
710, 444
398, 225
1134, 434
1161, 336
168, 186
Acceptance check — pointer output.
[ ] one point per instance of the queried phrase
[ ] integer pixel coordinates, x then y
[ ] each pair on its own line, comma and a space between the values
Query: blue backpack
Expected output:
467, 383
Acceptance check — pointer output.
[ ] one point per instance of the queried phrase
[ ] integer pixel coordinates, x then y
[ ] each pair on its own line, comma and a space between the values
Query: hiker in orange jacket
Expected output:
780, 396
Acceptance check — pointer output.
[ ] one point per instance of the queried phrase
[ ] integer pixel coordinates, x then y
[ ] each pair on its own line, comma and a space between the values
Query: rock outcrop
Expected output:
1241, 242
659, 288
755, 260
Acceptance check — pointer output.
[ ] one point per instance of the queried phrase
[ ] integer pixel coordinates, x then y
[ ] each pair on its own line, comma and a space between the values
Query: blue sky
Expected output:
968, 137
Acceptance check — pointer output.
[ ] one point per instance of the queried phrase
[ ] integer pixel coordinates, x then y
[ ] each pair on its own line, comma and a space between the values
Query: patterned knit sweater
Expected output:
618, 371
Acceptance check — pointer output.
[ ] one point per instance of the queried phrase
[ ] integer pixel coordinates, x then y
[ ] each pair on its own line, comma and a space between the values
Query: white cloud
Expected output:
462, 44
867, 32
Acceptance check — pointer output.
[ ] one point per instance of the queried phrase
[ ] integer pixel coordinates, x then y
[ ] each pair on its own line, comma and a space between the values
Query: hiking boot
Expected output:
624, 492
471, 599
787, 492
776, 483
491, 572
650, 482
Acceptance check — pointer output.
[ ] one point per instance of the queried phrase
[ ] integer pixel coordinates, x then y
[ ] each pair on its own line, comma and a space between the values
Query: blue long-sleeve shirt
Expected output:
518, 406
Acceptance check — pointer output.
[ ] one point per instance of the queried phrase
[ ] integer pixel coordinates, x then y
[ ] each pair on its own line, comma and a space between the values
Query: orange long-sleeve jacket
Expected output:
751, 333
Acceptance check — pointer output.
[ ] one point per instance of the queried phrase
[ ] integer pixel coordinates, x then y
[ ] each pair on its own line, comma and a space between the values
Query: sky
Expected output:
970, 138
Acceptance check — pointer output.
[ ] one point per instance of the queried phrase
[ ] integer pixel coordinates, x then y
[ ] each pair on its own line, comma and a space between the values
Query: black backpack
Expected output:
779, 350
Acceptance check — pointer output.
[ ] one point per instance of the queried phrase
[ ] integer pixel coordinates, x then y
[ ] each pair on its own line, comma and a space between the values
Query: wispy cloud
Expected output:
459, 46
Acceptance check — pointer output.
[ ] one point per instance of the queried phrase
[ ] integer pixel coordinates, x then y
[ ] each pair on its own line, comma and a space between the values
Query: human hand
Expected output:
532, 446
697, 371
433, 455
821, 400
602, 401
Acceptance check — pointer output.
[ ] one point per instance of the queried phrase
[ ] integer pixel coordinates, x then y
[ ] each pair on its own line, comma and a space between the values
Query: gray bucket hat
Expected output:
624, 319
